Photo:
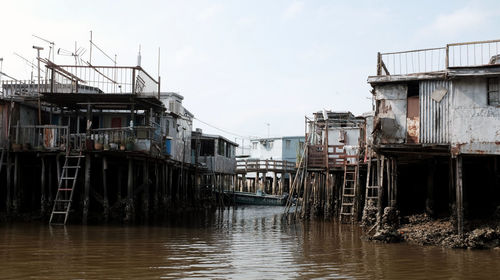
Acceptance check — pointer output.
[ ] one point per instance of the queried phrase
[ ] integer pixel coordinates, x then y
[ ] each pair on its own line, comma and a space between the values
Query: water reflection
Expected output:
248, 243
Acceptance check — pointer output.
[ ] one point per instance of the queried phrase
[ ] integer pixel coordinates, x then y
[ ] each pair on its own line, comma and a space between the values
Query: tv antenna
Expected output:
77, 54
51, 46
92, 44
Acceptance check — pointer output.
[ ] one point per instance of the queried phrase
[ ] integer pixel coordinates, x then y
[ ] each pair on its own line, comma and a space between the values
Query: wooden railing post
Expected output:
447, 59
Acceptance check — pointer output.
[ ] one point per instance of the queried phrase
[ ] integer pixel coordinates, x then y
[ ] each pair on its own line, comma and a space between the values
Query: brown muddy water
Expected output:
245, 243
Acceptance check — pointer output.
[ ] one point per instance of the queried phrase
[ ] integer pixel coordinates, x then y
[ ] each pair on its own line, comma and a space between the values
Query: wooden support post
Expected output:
50, 184
105, 202
275, 180
429, 202
290, 182
282, 184
156, 201
451, 186
58, 167
42, 188
165, 186
256, 182
459, 196
15, 190
129, 206
86, 194
380, 170
394, 201
170, 178
145, 182
244, 182
119, 185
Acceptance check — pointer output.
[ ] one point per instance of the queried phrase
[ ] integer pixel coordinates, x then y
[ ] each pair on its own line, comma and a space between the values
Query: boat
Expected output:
258, 198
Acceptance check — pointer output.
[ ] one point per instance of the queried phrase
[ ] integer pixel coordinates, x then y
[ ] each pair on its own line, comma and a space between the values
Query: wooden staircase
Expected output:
66, 187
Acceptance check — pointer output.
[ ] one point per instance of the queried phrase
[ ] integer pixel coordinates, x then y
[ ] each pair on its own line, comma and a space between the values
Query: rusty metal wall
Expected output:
434, 115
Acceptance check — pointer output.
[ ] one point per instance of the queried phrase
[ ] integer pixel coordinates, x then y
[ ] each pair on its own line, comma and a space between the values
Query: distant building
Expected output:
283, 148
214, 152
176, 123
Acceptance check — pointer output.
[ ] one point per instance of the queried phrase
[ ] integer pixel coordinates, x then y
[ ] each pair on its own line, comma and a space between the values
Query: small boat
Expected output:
258, 198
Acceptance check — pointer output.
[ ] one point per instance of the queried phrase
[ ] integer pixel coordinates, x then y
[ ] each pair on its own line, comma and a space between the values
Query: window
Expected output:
207, 147
301, 146
288, 143
493, 92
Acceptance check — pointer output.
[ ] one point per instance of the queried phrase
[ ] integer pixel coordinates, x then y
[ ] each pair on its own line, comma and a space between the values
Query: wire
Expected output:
225, 131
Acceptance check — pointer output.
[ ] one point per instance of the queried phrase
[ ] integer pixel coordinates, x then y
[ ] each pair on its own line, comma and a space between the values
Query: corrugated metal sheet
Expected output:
434, 115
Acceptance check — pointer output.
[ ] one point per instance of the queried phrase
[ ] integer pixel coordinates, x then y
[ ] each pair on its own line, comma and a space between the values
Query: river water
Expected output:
245, 243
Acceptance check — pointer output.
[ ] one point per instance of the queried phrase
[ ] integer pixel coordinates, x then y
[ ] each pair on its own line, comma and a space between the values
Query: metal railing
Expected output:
51, 137
468, 54
122, 135
472, 54
22, 88
101, 79
252, 165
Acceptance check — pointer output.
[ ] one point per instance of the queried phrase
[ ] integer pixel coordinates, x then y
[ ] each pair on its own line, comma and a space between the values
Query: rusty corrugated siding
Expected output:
434, 116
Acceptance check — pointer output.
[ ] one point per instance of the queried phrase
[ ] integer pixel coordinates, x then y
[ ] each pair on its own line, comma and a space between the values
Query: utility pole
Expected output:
38, 49
1, 65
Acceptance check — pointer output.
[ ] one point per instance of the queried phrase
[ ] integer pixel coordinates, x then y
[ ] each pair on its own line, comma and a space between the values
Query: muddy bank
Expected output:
422, 230
481, 234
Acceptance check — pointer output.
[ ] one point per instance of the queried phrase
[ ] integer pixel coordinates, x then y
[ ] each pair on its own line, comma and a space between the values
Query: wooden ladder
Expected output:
349, 192
66, 187
372, 183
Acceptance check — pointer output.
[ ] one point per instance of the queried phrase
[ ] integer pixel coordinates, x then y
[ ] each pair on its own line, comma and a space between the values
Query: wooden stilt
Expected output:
129, 206
42, 188
275, 181
257, 184
459, 196
15, 189
105, 202
157, 189
119, 185
50, 198
380, 165
86, 194
429, 202
145, 182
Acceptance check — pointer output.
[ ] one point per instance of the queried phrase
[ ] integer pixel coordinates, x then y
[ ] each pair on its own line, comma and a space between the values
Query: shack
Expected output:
82, 125
214, 156
436, 134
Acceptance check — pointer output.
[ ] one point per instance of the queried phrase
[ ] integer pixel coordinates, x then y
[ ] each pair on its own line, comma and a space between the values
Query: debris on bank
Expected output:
422, 230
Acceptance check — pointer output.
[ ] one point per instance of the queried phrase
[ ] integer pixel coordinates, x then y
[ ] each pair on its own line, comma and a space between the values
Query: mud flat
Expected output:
422, 230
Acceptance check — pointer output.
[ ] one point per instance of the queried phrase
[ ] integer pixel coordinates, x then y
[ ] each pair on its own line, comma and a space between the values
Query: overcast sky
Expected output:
244, 64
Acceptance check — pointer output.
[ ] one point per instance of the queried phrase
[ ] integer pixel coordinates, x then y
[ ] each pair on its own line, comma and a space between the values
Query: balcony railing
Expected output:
469, 54
251, 165
101, 79
50, 137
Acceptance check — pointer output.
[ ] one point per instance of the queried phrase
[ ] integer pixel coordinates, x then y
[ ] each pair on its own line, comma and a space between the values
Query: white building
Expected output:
283, 148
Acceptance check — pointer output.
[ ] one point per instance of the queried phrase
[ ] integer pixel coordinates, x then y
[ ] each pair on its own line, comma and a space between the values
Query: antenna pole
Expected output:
38, 49
90, 54
1, 64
